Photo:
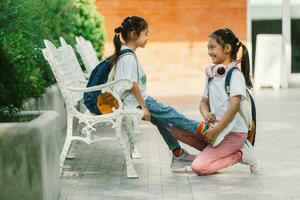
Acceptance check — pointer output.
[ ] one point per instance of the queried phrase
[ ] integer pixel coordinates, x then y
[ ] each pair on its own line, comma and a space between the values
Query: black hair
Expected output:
129, 24
226, 36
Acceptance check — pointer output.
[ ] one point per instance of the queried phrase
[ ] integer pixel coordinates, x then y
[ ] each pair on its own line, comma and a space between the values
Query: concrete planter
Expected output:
29, 158
51, 100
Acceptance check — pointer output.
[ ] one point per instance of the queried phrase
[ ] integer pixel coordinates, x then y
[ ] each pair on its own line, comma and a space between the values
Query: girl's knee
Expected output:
199, 169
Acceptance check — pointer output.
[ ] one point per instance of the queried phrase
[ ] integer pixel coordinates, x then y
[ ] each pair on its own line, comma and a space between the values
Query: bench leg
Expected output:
67, 144
136, 153
128, 131
129, 127
137, 127
124, 142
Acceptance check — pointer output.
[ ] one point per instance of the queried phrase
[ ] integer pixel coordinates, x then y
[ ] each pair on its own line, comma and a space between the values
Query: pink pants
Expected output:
212, 159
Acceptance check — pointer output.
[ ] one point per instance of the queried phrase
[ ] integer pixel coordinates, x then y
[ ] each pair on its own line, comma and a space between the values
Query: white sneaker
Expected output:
185, 159
249, 157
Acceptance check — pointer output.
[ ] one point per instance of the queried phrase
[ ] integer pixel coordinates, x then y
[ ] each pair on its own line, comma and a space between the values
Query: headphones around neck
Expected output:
219, 70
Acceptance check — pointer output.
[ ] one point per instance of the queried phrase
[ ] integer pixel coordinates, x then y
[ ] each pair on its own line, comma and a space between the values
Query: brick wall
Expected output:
179, 30
178, 20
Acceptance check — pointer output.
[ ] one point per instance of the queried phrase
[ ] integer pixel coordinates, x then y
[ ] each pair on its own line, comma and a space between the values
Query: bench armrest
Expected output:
103, 86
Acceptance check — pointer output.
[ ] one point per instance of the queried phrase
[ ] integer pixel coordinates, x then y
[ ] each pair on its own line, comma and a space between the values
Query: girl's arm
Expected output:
234, 107
204, 106
138, 95
205, 110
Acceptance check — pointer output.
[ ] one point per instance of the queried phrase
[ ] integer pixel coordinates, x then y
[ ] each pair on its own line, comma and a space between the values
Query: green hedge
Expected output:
24, 24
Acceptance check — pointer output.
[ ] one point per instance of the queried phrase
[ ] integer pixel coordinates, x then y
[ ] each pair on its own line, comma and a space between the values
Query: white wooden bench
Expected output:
67, 77
87, 53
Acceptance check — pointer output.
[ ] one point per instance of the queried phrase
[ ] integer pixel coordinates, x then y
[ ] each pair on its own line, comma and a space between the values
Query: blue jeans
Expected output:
163, 117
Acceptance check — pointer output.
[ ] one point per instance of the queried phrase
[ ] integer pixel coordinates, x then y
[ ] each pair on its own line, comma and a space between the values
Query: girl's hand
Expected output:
147, 115
210, 117
212, 134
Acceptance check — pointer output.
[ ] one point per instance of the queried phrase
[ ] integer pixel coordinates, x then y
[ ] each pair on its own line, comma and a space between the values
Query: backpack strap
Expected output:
130, 51
126, 51
228, 79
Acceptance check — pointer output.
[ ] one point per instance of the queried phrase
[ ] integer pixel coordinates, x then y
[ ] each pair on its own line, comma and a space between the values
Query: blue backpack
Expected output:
98, 76
252, 121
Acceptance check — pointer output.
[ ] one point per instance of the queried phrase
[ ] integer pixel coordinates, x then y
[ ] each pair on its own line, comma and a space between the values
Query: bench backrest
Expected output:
70, 66
87, 53
62, 69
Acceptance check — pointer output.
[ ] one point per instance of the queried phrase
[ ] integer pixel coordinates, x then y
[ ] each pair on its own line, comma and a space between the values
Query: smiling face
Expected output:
215, 51
218, 53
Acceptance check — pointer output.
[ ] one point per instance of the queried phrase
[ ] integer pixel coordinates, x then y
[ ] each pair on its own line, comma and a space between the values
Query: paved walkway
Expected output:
102, 173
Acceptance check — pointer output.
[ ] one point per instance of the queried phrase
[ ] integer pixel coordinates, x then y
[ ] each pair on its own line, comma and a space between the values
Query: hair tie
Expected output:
118, 30
239, 43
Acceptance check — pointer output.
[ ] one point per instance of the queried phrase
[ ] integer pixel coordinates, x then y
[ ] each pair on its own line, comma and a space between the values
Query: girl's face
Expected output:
217, 53
143, 38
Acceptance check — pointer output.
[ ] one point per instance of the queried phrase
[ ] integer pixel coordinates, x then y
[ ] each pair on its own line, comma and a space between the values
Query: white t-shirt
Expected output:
219, 101
130, 68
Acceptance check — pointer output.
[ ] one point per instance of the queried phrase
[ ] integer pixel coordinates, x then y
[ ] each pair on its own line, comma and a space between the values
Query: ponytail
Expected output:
118, 45
245, 66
